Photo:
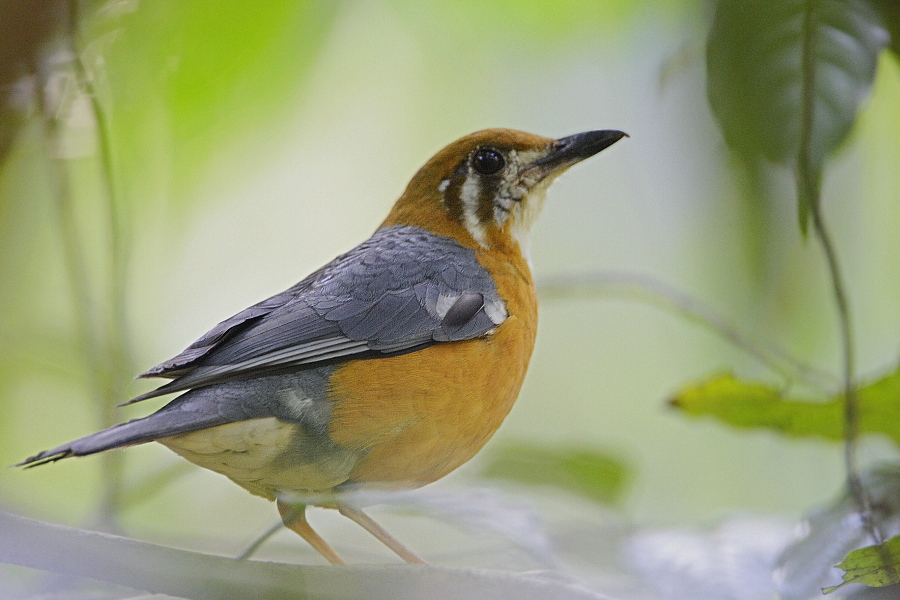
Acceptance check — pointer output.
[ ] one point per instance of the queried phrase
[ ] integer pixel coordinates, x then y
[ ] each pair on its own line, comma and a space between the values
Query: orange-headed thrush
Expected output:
390, 366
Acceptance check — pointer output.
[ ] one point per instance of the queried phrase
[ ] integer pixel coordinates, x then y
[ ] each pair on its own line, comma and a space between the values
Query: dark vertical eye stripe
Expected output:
489, 187
453, 194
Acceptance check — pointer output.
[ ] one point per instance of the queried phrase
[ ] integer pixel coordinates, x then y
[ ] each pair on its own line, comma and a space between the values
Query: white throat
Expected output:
524, 214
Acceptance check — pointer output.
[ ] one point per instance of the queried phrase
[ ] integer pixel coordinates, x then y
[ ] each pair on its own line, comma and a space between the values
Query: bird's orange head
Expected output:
486, 189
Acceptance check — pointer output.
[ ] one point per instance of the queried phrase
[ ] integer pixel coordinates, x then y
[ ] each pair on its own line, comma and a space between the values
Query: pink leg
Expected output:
366, 522
294, 517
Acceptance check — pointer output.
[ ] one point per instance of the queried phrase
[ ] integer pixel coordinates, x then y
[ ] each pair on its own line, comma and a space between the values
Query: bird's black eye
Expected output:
487, 161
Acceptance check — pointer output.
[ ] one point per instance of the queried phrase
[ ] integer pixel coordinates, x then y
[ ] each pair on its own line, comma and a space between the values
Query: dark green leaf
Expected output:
785, 79
755, 405
754, 71
585, 472
890, 15
875, 566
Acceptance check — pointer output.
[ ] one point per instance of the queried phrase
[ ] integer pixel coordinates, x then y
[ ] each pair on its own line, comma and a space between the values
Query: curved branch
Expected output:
654, 291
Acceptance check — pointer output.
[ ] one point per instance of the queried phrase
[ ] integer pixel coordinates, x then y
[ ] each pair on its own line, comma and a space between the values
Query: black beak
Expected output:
575, 148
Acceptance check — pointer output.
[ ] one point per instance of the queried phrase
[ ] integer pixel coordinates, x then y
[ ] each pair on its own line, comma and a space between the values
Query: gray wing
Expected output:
193, 354
401, 290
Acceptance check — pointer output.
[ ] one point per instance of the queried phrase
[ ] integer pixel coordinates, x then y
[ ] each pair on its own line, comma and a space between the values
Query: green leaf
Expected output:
830, 532
785, 79
587, 473
749, 404
875, 566
890, 15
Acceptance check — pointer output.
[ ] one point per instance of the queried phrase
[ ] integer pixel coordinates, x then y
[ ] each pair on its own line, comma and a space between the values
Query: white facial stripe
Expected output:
442, 188
469, 194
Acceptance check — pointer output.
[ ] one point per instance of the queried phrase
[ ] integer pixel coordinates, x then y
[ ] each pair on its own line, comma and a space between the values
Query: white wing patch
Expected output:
444, 303
496, 311
298, 405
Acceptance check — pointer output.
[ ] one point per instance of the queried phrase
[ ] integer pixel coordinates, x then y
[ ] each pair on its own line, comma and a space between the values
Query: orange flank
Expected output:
421, 415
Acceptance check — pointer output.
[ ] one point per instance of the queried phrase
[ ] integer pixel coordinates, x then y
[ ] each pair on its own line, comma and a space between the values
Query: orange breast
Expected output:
421, 415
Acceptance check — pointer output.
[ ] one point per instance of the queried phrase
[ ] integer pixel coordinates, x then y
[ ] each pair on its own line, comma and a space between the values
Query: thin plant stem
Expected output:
260, 540
74, 257
851, 399
98, 328
75, 262
153, 483
809, 190
117, 345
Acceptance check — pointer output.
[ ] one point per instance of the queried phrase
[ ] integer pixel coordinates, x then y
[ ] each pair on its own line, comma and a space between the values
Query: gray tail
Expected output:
163, 423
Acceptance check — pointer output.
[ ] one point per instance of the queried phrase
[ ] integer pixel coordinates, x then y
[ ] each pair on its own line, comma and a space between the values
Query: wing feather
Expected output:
399, 291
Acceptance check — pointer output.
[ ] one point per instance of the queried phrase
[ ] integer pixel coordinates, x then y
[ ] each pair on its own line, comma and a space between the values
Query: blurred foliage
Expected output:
829, 533
24, 28
121, 107
875, 566
780, 71
96, 85
585, 472
642, 288
890, 15
785, 81
543, 23
751, 405
184, 91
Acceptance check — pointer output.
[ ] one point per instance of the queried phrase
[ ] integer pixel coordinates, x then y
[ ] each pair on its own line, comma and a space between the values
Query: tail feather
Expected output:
161, 424
197, 409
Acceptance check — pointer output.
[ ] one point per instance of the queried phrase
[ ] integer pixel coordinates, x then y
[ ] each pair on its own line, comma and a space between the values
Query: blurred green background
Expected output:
249, 143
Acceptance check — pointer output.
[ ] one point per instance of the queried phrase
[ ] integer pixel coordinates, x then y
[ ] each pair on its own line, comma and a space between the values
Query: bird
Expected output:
387, 368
